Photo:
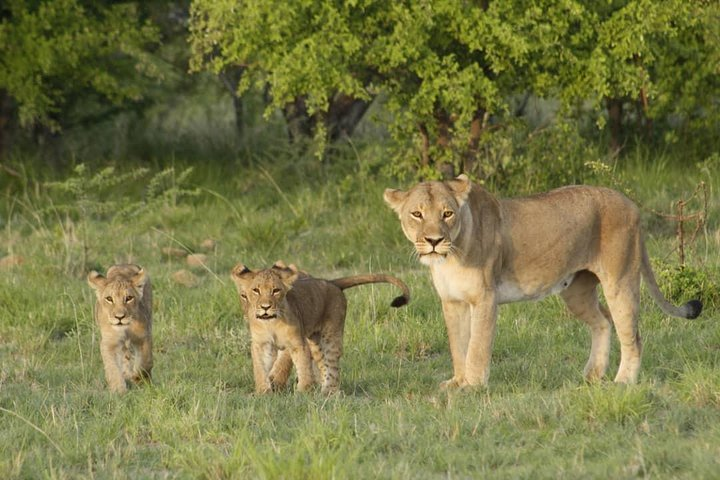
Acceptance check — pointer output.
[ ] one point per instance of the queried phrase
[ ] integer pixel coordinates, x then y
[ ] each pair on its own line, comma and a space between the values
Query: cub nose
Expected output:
434, 241
266, 306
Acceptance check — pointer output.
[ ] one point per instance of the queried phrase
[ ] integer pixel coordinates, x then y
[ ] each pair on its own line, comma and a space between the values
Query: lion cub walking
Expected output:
301, 317
123, 311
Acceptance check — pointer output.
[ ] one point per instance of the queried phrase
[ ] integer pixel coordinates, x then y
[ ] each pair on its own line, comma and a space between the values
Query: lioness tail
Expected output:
347, 282
691, 309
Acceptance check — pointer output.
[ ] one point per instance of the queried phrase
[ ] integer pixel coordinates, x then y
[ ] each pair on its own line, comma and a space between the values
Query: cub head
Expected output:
431, 215
262, 293
119, 294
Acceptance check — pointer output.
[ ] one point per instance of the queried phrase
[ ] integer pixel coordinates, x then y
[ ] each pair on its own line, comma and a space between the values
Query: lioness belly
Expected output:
509, 291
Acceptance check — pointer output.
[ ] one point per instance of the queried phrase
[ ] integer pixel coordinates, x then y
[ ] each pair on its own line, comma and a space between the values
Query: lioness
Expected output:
483, 252
302, 317
123, 311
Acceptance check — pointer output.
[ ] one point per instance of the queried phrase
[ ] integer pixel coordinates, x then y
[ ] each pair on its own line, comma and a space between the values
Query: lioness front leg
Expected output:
483, 317
457, 322
111, 353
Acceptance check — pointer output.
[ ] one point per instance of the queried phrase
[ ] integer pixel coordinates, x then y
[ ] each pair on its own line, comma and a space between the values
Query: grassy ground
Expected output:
200, 419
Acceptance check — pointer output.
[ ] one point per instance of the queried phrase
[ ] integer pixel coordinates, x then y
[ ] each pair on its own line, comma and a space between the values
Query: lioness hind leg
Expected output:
623, 302
581, 298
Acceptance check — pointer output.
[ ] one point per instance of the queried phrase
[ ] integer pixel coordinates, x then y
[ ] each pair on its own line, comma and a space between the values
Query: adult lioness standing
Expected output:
123, 311
483, 252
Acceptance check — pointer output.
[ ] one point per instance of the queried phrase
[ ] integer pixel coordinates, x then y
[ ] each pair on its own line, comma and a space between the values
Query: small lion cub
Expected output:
123, 311
296, 319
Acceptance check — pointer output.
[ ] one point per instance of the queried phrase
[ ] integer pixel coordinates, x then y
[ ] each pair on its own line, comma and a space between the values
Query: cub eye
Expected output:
448, 213
242, 295
129, 299
256, 291
109, 299
416, 214
275, 291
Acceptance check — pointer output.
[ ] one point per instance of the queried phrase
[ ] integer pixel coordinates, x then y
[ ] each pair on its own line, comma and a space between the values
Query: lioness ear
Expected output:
96, 280
139, 280
460, 186
395, 198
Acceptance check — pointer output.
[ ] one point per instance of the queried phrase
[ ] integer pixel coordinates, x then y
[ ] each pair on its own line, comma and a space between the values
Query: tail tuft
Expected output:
400, 301
693, 308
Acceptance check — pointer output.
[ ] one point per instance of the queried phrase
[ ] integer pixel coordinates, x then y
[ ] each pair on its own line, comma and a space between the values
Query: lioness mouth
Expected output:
265, 316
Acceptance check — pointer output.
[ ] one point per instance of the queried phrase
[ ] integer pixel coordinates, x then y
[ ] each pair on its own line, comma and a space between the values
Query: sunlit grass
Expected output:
538, 418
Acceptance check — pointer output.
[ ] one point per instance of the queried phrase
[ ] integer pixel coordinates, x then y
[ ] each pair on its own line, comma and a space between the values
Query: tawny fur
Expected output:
484, 251
297, 319
123, 312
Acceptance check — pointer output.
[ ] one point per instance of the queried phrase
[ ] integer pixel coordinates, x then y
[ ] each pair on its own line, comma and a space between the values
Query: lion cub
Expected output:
301, 317
123, 311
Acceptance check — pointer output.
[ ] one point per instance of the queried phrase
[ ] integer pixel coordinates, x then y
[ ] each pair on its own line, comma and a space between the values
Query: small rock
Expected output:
185, 278
208, 244
196, 260
174, 252
11, 261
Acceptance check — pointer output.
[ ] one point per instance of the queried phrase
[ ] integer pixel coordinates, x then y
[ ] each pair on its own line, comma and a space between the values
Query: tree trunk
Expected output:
300, 125
615, 111
230, 78
343, 116
5, 122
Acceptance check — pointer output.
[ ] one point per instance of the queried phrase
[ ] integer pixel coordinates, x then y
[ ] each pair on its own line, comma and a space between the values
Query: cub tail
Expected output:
348, 282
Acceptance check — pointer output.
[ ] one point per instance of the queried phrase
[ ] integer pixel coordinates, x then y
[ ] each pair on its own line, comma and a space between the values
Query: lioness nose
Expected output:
265, 307
433, 241
120, 315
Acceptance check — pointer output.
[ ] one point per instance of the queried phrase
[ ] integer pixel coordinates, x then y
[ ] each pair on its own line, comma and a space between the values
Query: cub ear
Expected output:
96, 280
395, 198
288, 275
240, 274
139, 280
279, 264
460, 186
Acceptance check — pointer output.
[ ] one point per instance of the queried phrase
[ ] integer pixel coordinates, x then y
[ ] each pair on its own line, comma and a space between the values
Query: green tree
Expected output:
449, 70
55, 53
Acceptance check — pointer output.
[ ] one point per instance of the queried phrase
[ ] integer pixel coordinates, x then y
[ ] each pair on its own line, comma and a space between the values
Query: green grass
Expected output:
538, 419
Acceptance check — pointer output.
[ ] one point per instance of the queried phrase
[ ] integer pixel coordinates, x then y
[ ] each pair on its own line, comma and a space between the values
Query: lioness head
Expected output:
262, 292
431, 215
119, 294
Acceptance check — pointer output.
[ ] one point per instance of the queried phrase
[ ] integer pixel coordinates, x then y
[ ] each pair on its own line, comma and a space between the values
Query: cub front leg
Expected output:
263, 357
280, 371
457, 322
111, 353
143, 362
303, 365
483, 318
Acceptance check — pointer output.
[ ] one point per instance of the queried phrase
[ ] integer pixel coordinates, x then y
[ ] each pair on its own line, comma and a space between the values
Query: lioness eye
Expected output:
109, 299
256, 291
129, 299
275, 291
242, 295
416, 214
448, 213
